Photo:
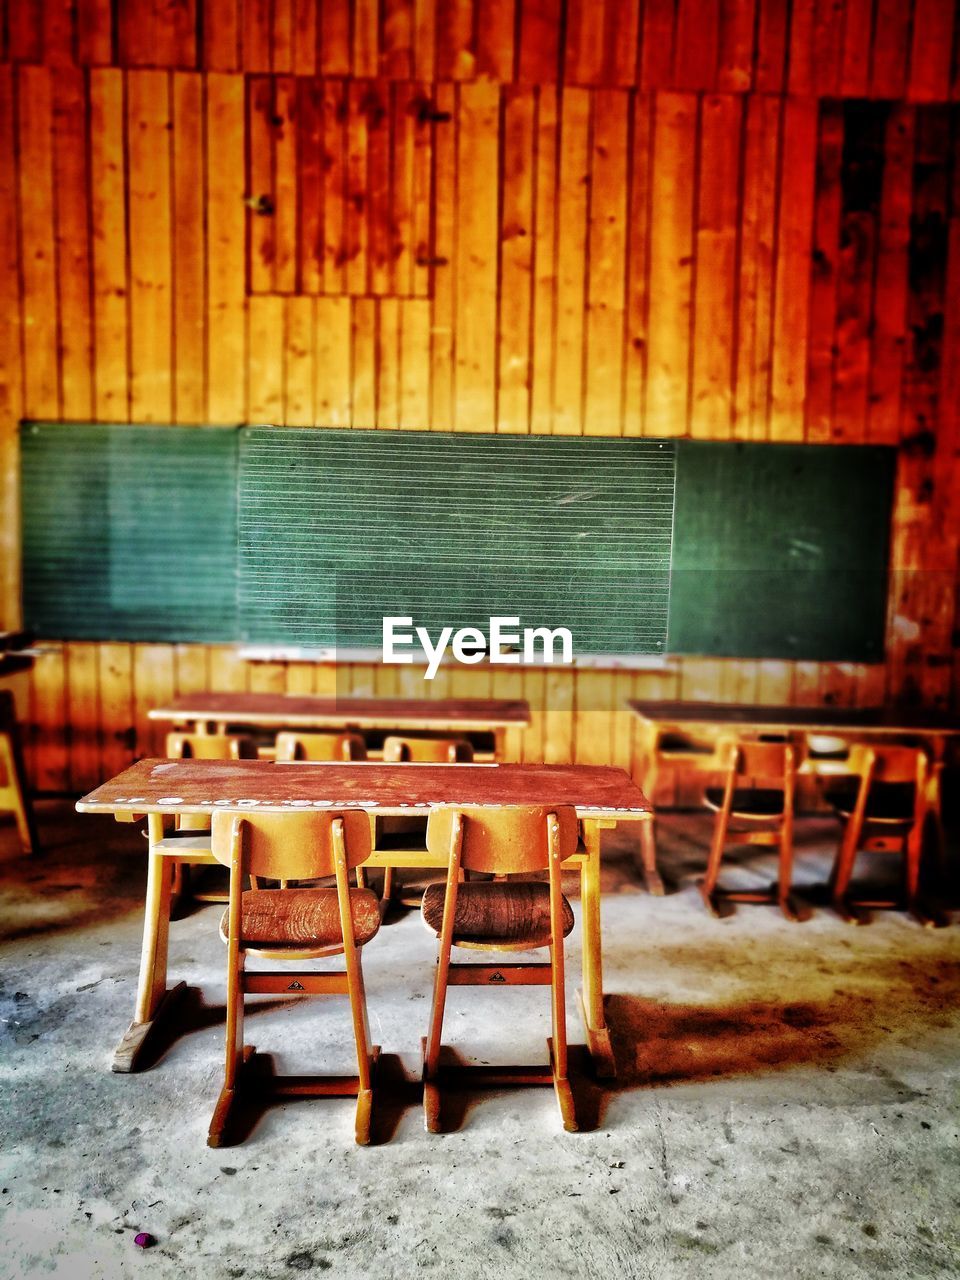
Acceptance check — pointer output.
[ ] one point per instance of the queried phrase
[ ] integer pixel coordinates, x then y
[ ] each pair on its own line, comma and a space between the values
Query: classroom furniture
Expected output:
602, 797
284, 924
209, 746
757, 793
427, 750
14, 796
499, 917
883, 806
654, 717
217, 712
320, 746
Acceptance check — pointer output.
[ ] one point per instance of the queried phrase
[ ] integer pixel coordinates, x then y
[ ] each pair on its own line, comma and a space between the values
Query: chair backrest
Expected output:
320, 746
290, 846
888, 763
506, 840
427, 751
210, 746
758, 764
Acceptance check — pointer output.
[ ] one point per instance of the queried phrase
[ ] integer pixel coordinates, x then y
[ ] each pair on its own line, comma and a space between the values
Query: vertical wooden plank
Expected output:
593, 722
622, 43
396, 57
890, 299
476, 302
544, 261
82, 682
420, 113
117, 733
225, 248
637, 265
109, 230
758, 224
828, 47
189, 284
310, 186
558, 716
444, 293
94, 23
263, 220
381, 236
891, 49
38, 252
794, 244
221, 32
656, 45
800, 58
356, 221
11, 383
256, 35
305, 38
584, 48
282, 37
298, 375
401, 239
332, 362
862, 179
538, 52
772, 23
388, 364
284, 126
823, 283
138, 33
191, 668
48, 720
671, 257
697, 44
364, 362
415, 364
607, 251
73, 242
58, 33
932, 50
228, 671
265, 369
334, 164
148, 194
335, 38
366, 37
572, 220
716, 249
455, 54
736, 45
424, 38
855, 57
516, 260
25, 31
153, 685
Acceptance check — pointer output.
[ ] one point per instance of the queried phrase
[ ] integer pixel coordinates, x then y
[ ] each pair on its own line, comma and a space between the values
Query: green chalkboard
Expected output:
129, 532
781, 550
341, 528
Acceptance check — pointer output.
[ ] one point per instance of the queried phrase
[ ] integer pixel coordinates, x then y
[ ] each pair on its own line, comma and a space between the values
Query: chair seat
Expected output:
284, 918
887, 801
759, 802
497, 913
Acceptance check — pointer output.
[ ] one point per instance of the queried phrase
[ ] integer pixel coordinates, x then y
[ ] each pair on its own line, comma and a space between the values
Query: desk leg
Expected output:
153, 998
648, 858
591, 996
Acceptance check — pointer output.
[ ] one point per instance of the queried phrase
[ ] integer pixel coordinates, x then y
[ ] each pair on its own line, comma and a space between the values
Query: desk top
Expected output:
294, 710
202, 786
823, 719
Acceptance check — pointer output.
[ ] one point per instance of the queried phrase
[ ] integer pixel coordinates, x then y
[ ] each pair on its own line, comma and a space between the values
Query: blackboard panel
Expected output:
781, 551
340, 528
129, 532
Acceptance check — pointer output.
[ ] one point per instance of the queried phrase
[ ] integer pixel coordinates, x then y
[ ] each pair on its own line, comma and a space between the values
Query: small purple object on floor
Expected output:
143, 1240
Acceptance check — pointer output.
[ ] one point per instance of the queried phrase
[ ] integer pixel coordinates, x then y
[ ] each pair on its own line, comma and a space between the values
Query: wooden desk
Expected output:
216, 712
602, 797
652, 718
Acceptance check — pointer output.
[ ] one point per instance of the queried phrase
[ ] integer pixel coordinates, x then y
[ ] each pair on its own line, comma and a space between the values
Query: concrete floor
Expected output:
787, 1104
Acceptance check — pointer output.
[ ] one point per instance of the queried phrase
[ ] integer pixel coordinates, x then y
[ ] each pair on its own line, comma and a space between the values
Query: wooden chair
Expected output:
210, 746
758, 790
511, 916
320, 746
13, 775
295, 924
427, 751
884, 807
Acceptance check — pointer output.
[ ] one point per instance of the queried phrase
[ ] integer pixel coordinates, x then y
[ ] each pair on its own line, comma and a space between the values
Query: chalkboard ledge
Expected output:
594, 662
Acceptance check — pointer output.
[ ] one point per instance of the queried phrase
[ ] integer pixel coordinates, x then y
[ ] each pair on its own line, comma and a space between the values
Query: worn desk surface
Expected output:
295, 711
202, 786
895, 720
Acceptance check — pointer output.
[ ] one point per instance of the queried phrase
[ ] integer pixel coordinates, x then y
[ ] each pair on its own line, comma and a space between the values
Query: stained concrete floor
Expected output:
787, 1103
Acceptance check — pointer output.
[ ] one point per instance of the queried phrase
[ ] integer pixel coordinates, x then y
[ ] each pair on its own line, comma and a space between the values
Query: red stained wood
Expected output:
395, 713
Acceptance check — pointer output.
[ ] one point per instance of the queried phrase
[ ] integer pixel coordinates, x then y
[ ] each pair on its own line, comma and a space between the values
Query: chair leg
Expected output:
431, 1047
558, 1045
15, 792
361, 1032
648, 859
843, 870
785, 872
236, 1055
708, 885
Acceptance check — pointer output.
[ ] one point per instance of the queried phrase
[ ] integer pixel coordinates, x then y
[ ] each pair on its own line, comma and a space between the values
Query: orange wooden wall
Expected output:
598, 216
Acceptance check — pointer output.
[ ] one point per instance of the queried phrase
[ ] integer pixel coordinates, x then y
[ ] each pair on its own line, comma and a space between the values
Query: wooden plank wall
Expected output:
720, 218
